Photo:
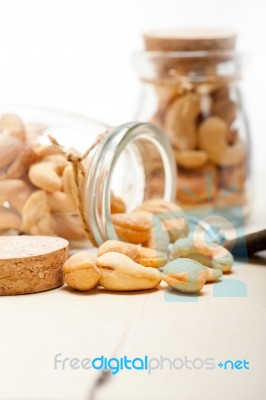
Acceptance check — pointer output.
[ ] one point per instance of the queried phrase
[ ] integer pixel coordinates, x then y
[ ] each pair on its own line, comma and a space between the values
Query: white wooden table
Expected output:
34, 328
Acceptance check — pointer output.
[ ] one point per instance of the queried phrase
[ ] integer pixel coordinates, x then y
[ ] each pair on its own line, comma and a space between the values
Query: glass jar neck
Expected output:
222, 66
136, 157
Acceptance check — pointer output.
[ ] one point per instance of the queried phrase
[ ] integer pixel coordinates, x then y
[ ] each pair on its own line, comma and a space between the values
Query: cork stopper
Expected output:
30, 264
190, 40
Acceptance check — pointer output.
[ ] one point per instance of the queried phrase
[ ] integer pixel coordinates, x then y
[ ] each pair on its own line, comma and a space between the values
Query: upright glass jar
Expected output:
191, 91
39, 184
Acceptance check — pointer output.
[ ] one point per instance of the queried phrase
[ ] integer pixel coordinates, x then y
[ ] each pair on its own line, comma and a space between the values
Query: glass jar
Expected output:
39, 182
191, 90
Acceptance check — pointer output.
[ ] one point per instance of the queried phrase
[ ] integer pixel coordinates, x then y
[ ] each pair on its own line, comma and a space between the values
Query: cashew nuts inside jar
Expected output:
63, 174
191, 90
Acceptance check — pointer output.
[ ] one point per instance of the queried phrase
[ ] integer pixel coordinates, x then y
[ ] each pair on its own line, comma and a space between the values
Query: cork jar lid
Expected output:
190, 40
30, 264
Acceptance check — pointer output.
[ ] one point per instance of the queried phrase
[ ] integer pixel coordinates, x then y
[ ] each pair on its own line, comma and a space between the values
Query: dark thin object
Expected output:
248, 244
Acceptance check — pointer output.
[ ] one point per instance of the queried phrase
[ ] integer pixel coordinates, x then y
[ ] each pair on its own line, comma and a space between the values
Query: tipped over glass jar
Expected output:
63, 174
191, 91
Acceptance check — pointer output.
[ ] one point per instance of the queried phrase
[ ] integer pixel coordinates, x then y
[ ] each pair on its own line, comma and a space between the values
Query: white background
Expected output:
76, 54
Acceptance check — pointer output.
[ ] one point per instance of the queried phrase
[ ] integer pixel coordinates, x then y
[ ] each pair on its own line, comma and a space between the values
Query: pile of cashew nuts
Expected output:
201, 123
36, 184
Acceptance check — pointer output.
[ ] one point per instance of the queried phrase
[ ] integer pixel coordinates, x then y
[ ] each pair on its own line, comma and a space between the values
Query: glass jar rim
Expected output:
222, 66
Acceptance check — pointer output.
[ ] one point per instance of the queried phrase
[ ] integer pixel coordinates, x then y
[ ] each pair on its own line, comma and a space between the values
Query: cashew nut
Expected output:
171, 215
213, 139
132, 227
191, 159
46, 175
213, 256
36, 216
141, 255
180, 121
184, 275
80, 271
120, 273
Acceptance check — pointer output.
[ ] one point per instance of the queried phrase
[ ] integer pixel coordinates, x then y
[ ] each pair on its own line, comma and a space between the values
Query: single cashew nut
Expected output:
131, 227
191, 159
141, 255
45, 175
213, 139
80, 271
212, 256
184, 275
180, 121
171, 215
36, 216
120, 273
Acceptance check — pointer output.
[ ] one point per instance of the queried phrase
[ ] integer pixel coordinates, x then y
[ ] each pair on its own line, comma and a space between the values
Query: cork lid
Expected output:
23, 247
190, 40
31, 264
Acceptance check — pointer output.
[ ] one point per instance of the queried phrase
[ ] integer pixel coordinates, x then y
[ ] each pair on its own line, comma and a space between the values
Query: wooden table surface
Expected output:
35, 328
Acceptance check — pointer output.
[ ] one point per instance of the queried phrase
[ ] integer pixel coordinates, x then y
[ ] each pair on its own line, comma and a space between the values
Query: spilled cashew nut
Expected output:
184, 275
213, 256
80, 271
141, 255
120, 273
